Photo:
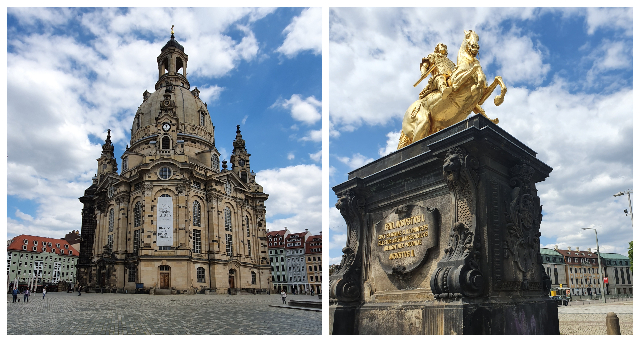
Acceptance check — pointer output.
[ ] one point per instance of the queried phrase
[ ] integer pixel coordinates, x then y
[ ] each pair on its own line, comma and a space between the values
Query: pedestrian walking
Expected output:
79, 293
26, 295
15, 295
44, 292
284, 297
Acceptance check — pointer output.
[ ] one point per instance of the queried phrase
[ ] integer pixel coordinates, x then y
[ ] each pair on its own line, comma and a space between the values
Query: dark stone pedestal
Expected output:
443, 238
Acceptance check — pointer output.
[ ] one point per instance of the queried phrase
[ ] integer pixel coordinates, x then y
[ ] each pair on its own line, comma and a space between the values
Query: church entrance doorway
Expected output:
232, 280
165, 276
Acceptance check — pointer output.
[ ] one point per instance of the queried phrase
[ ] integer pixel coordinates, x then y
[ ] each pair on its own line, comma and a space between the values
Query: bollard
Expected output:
613, 324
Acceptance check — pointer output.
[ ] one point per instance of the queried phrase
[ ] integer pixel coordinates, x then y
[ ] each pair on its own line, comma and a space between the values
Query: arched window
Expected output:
196, 213
137, 214
125, 163
166, 143
201, 119
227, 219
111, 220
200, 274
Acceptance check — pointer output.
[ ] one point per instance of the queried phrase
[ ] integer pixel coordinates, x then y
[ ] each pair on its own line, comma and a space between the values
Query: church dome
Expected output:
172, 100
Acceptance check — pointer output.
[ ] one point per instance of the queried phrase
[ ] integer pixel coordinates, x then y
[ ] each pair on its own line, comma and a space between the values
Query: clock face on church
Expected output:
166, 126
241, 162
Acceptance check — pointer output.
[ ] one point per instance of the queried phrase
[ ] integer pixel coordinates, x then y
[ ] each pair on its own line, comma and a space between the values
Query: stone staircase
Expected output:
297, 304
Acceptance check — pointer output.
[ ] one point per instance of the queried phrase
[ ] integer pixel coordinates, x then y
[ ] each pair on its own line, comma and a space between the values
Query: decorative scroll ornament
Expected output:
523, 217
346, 284
457, 273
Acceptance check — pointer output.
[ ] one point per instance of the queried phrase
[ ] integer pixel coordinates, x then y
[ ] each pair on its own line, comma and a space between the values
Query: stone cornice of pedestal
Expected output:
419, 153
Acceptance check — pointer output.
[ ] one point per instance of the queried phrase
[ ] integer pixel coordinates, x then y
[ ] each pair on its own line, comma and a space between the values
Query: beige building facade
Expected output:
172, 219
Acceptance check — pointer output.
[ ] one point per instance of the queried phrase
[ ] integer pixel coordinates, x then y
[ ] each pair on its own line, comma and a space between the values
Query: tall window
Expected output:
166, 143
125, 163
227, 219
201, 119
246, 219
111, 220
136, 241
197, 244
229, 244
253, 278
249, 248
110, 241
132, 275
196, 213
137, 214
200, 274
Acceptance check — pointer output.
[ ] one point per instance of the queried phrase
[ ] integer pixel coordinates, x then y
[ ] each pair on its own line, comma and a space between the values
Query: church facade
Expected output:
172, 219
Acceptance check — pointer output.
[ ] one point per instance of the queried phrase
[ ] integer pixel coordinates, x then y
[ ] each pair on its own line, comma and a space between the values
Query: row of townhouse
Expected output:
578, 271
296, 261
46, 260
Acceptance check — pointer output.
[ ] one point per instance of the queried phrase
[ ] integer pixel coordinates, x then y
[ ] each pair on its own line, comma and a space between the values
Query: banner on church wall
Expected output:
165, 222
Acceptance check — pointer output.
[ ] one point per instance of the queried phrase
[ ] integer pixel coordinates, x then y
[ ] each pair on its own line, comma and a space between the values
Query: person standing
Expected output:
284, 297
79, 293
26, 295
44, 292
15, 295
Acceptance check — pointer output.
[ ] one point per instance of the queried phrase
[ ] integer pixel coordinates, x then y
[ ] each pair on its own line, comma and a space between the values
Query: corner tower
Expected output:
172, 220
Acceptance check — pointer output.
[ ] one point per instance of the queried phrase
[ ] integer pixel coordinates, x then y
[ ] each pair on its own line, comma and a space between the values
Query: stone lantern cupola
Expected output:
107, 161
240, 158
172, 65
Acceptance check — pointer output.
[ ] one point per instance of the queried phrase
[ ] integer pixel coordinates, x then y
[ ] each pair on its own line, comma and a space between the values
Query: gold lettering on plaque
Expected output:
403, 254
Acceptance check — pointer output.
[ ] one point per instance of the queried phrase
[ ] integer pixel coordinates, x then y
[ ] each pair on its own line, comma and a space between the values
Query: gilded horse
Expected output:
468, 91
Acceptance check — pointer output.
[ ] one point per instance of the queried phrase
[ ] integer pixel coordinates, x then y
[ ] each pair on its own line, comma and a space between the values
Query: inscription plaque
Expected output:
404, 237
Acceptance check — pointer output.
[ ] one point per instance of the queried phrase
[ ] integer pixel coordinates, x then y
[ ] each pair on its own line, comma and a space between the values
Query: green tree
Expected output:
630, 253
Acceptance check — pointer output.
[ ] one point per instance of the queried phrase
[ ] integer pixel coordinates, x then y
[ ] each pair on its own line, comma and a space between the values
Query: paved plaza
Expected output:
589, 317
64, 313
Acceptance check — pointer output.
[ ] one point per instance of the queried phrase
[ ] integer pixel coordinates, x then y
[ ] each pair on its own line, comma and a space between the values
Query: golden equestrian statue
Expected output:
453, 91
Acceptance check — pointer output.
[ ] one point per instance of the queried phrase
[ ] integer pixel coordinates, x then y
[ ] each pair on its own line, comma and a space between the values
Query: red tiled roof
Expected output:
17, 244
276, 239
313, 242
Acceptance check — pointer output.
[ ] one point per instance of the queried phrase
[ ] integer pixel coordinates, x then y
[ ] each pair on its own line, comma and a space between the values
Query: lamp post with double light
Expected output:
604, 298
628, 192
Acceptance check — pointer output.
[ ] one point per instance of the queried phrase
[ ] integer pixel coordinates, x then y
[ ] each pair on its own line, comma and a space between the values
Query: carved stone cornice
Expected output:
346, 285
457, 273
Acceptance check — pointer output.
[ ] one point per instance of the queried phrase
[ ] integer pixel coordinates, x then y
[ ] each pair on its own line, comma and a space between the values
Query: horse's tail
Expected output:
404, 140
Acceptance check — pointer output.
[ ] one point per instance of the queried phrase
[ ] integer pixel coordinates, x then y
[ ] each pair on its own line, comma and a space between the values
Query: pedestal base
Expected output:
456, 318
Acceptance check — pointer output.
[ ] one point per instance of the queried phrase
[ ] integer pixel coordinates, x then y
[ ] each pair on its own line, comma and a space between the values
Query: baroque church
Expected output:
172, 220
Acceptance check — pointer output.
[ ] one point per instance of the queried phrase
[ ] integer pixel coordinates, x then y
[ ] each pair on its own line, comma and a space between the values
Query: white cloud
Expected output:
304, 33
316, 157
210, 94
608, 18
303, 110
313, 135
294, 192
290, 156
355, 161
335, 261
393, 138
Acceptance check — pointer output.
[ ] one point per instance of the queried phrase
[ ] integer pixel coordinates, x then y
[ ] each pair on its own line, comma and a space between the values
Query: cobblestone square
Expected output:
142, 314
589, 317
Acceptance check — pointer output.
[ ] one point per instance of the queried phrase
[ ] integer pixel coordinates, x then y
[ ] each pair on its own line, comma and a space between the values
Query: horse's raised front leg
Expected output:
487, 92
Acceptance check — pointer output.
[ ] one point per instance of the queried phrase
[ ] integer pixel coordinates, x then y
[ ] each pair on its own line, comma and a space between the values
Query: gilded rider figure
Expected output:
441, 67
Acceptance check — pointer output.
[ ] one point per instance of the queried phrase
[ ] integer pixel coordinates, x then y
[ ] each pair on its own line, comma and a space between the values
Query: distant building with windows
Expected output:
617, 269
51, 260
581, 268
295, 261
554, 266
276, 244
313, 253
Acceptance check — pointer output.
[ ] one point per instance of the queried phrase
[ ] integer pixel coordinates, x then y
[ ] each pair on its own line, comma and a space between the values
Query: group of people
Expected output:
26, 293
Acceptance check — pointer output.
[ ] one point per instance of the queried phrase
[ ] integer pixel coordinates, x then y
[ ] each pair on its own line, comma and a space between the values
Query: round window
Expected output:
165, 173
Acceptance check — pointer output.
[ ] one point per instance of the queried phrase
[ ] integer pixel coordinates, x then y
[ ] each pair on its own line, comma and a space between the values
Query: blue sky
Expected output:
74, 73
569, 76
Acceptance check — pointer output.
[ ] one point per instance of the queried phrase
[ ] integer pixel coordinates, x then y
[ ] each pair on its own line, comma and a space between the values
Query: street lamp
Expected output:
604, 298
629, 198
